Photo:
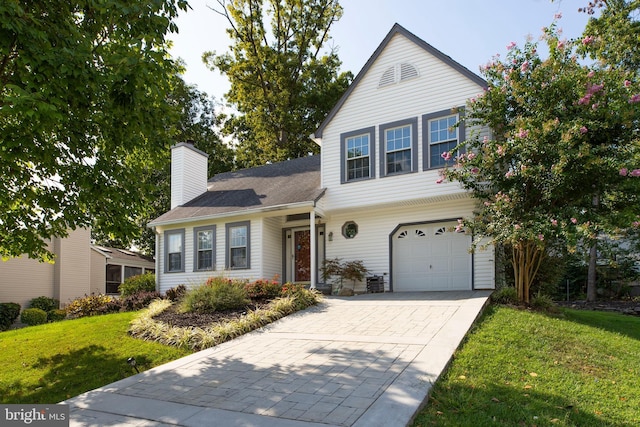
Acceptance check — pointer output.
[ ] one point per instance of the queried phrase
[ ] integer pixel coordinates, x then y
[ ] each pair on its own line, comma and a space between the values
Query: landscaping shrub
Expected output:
139, 300
33, 316
9, 312
45, 304
263, 289
302, 297
175, 294
542, 301
56, 315
217, 294
142, 282
506, 295
90, 305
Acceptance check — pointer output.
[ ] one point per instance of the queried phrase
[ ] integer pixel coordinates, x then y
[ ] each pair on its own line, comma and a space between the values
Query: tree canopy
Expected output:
282, 83
83, 114
563, 159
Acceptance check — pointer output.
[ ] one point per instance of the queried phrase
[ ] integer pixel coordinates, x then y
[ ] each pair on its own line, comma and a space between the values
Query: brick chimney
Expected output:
188, 173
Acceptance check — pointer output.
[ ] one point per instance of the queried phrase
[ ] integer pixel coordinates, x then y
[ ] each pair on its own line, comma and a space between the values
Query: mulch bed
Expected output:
625, 307
202, 320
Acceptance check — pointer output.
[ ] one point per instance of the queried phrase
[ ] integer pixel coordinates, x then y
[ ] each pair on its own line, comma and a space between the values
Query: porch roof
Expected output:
263, 188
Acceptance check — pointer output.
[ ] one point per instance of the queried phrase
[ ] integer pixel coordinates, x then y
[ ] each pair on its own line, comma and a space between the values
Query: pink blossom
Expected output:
634, 99
440, 180
473, 100
627, 83
541, 237
624, 172
475, 170
525, 66
557, 15
591, 74
635, 172
587, 40
554, 222
487, 203
636, 224
509, 174
511, 45
561, 44
595, 106
584, 130
573, 220
500, 150
523, 133
471, 155
446, 155
517, 226
585, 99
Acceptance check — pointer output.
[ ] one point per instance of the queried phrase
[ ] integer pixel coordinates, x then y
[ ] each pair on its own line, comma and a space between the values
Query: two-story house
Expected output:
371, 195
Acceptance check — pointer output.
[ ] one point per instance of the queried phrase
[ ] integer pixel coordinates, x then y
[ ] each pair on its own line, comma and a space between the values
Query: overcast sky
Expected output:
469, 31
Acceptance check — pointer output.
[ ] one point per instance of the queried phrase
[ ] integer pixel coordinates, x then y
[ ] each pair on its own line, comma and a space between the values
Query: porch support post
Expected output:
314, 255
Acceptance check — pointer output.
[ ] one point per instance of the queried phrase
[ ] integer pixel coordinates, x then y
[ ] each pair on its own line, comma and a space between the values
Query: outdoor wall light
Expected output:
331, 236
132, 362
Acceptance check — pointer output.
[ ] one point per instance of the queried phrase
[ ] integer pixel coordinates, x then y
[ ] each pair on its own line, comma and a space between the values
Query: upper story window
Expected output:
441, 134
174, 251
399, 147
204, 248
357, 155
238, 247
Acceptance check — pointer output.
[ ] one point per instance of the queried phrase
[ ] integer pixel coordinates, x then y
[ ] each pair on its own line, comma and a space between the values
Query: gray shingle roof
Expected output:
278, 184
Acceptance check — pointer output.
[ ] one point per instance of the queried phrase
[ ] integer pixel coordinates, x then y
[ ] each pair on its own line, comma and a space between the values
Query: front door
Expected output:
302, 256
298, 254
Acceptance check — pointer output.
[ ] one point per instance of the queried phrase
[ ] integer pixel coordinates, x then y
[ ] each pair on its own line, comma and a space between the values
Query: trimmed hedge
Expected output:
33, 316
9, 312
44, 303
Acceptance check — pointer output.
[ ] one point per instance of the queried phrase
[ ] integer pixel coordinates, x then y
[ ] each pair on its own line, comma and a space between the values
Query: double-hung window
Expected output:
357, 155
399, 147
204, 248
442, 134
238, 245
174, 251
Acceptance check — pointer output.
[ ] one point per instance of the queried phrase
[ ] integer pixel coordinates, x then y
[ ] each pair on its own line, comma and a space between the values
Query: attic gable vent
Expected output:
407, 71
398, 73
388, 78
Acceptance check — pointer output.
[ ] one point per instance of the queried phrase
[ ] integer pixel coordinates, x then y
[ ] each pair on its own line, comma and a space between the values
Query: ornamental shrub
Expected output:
44, 303
263, 289
217, 294
142, 282
33, 316
175, 294
506, 295
90, 305
56, 315
139, 300
9, 312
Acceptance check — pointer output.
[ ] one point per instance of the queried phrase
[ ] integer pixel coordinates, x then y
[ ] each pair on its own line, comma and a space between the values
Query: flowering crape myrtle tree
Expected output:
561, 163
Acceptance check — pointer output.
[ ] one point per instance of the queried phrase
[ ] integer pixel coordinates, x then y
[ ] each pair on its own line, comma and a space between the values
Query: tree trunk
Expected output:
591, 276
526, 258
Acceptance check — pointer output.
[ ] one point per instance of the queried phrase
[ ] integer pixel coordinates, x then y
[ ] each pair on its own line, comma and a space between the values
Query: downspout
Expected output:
157, 257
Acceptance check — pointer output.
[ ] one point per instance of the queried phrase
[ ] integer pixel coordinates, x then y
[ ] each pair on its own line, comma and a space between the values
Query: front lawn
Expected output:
53, 362
522, 368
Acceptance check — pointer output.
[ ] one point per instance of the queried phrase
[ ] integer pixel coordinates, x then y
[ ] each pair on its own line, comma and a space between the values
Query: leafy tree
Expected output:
83, 86
196, 121
561, 161
282, 86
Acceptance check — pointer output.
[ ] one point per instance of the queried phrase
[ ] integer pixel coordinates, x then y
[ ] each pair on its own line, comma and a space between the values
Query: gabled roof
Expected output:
270, 187
398, 29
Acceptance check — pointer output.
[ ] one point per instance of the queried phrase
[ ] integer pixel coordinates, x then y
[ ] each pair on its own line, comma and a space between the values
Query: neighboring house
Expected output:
80, 269
371, 195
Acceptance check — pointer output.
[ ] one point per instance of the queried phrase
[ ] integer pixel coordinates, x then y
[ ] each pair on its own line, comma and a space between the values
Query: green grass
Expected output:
53, 362
522, 368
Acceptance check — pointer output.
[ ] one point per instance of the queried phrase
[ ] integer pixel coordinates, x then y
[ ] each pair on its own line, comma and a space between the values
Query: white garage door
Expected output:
431, 257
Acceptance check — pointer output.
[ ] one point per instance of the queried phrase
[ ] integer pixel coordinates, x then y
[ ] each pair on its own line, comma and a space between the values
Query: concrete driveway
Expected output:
367, 360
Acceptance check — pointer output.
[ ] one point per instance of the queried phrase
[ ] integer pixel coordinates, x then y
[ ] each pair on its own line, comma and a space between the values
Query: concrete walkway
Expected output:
360, 361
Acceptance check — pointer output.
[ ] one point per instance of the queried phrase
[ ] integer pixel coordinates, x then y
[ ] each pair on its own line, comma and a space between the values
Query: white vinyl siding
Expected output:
372, 243
437, 88
271, 249
188, 174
